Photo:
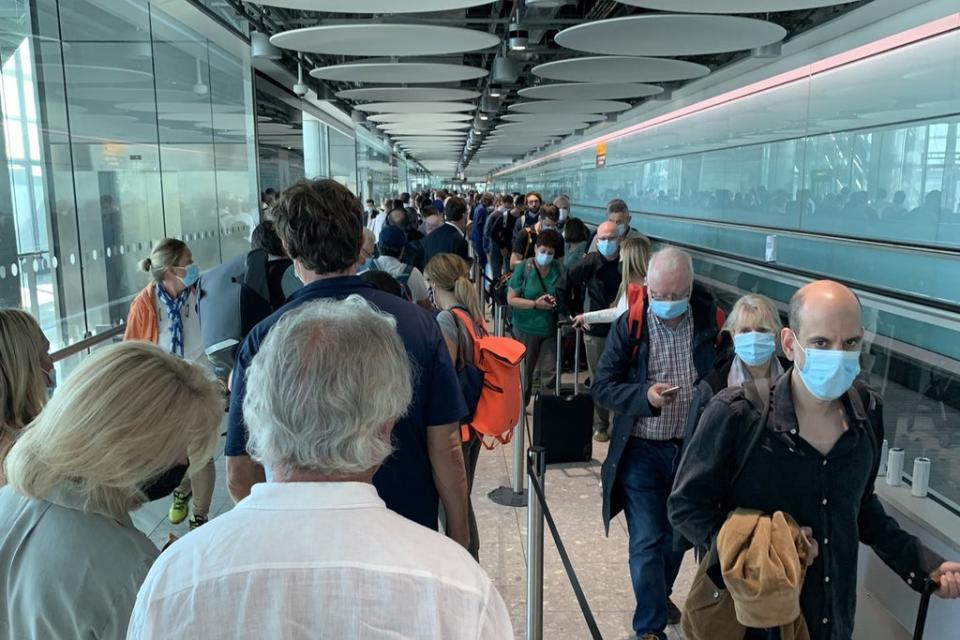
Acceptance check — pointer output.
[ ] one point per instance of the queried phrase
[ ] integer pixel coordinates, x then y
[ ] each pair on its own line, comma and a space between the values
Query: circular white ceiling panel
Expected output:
569, 106
379, 39
373, 6
589, 91
670, 35
420, 118
555, 117
620, 69
416, 107
732, 6
418, 126
404, 94
394, 72
530, 127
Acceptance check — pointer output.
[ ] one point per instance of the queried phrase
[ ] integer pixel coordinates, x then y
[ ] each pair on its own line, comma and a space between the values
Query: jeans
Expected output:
542, 355
595, 345
200, 484
471, 452
647, 469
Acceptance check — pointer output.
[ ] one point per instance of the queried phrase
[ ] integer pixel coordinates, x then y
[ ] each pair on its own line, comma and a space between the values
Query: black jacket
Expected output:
446, 239
832, 494
579, 290
621, 385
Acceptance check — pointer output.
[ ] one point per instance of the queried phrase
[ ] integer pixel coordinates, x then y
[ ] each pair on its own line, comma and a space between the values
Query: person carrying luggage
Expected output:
532, 295
814, 455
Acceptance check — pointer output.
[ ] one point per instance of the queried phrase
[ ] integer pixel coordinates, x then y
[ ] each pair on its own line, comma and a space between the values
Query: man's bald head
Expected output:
670, 274
607, 231
822, 297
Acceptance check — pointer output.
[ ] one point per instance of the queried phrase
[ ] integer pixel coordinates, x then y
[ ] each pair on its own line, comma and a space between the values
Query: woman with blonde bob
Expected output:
755, 327
448, 276
26, 374
117, 434
634, 257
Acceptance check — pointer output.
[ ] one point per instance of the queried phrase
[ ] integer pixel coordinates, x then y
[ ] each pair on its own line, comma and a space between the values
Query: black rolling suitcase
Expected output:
563, 424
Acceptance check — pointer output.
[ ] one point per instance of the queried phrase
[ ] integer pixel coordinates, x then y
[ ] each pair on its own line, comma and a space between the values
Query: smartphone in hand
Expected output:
669, 393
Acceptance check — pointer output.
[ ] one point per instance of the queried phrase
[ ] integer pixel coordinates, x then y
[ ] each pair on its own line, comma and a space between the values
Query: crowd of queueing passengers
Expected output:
756, 444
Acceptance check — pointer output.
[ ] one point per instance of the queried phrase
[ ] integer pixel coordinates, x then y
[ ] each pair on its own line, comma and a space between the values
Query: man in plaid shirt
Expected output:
678, 346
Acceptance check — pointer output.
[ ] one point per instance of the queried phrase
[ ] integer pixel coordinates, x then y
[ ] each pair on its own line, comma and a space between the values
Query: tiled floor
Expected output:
573, 494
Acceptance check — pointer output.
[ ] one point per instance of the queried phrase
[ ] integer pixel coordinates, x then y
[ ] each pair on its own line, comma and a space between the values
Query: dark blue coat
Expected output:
621, 385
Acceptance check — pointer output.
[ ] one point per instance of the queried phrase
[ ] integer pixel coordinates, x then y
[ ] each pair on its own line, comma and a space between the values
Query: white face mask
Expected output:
564, 212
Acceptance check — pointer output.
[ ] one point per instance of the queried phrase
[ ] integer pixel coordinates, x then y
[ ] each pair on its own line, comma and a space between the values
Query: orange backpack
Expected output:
498, 360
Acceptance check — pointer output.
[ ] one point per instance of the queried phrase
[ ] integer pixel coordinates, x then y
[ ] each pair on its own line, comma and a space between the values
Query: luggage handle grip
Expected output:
930, 585
576, 356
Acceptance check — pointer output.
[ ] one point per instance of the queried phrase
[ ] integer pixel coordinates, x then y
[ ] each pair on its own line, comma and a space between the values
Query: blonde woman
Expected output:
166, 313
754, 327
754, 324
634, 257
26, 374
116, 433
448, 276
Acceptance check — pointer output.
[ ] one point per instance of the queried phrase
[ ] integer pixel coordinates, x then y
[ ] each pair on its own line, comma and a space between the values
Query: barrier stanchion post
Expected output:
538, 466
498, 320
515, 495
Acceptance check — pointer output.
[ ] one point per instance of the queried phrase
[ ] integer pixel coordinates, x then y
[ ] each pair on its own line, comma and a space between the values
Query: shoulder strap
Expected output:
755, 431
636, 313
405, 274
527, 265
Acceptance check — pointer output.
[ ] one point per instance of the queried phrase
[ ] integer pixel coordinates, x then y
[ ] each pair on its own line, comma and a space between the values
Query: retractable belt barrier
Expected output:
515, 495
537, 512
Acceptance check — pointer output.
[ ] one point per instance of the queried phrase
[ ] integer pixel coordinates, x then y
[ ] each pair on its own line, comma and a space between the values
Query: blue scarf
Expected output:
174, 306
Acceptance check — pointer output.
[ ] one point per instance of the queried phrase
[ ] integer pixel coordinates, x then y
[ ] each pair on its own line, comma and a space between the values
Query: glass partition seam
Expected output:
213, 140
81, 260
156, 98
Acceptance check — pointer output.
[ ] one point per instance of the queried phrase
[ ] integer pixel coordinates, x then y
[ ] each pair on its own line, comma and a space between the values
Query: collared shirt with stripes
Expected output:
671, 362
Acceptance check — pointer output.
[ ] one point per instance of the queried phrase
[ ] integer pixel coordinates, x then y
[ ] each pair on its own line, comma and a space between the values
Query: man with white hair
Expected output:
319, 223
315, 552
648, 383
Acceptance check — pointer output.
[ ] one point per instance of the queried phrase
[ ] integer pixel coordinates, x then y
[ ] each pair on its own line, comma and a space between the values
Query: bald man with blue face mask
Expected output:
821, 445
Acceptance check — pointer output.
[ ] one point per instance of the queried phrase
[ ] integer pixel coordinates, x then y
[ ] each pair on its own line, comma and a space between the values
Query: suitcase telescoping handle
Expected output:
929, 586
561, 324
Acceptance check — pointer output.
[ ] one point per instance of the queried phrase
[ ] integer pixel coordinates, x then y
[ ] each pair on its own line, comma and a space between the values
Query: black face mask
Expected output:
163, 485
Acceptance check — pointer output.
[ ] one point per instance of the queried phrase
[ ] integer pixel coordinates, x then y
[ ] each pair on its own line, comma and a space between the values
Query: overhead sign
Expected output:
601, 155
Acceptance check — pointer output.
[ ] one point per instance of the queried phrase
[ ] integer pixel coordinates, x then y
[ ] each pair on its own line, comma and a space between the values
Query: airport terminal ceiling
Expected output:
500, 57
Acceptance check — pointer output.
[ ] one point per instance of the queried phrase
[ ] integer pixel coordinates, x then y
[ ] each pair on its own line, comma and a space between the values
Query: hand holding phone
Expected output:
661, 394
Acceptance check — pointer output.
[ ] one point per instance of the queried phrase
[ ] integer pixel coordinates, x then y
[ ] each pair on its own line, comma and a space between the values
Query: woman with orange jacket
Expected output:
166, 313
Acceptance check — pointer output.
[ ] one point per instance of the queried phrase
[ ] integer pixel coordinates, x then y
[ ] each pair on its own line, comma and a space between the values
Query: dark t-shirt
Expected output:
609, 278
405, 481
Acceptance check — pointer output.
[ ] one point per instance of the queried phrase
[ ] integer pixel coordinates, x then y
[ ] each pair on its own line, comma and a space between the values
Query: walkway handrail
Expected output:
87, 343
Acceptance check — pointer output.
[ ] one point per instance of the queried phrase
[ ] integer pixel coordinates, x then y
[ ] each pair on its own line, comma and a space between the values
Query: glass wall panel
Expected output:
376, 170
856, 171
120, 126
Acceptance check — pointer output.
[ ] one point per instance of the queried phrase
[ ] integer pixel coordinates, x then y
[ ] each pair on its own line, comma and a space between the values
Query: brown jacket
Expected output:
763, 561
142, 320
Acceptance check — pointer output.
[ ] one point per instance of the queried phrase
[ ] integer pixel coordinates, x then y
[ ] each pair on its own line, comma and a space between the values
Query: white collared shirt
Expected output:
317, 560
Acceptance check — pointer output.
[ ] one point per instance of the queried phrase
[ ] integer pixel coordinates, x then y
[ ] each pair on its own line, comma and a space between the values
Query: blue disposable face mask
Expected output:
51, 377
669, 309
191, 276
755, 348
543, 259
622, 230
607, 248
828, 374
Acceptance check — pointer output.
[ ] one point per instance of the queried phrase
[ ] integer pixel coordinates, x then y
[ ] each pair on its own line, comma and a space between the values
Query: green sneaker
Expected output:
179, 508
196, 521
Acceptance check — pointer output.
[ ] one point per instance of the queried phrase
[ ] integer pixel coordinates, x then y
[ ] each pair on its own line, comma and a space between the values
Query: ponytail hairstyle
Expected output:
451, 273
635, 255
165, 254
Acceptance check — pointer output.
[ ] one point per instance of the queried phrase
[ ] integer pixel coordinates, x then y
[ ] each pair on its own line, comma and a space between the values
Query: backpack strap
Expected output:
527, 265
636, 313
755, 431
405, 274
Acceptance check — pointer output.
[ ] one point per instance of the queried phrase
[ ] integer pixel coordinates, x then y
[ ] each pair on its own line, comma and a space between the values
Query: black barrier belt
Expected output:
567, 566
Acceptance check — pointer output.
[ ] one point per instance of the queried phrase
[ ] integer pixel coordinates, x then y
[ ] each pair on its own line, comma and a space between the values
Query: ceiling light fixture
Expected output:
517, 37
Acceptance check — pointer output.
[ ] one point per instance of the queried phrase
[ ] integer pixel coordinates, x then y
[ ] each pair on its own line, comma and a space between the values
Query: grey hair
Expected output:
327, 380
669, 259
